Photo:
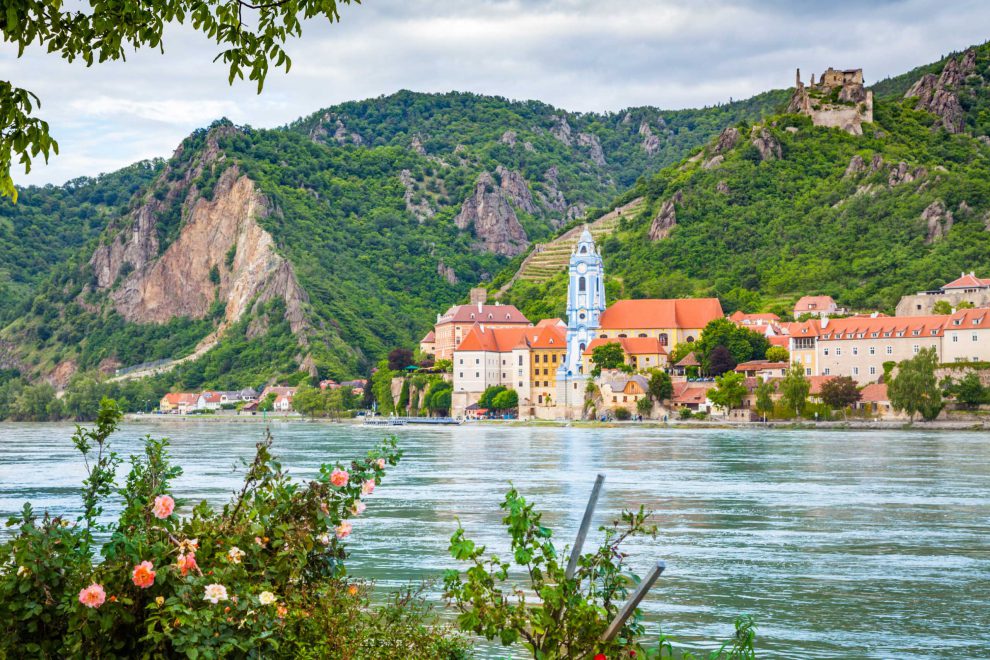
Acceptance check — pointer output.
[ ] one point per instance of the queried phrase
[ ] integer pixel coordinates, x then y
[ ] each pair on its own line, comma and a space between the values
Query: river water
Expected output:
841, 544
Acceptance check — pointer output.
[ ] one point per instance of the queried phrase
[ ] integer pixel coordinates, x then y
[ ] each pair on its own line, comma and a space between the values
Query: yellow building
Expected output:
670, 321
548, 348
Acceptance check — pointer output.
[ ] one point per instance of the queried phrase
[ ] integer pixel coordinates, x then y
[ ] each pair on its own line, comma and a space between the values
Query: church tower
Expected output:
585, 304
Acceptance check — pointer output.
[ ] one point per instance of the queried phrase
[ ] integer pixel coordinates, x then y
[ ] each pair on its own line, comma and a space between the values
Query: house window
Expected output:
477, 374
807, 371
855, 371
520, 360
555, 358
890, 350
477, 360
838, 351
855, 350
827, 371
460, 374
825, 351
976, 337
461, 361
955, 339
582, 284
916, 348
615, 399
873, 350
664, 339
873, 371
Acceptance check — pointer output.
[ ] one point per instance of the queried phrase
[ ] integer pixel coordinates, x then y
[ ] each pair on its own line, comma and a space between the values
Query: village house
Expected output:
966, 288
428, 344
670, 321
283, 397
209, 401
178, 403
966, 336
488, 357
548, 346
621, 390
690, 395
247, 394
453, 326
763, 369
641, 353
816, 306
357, 386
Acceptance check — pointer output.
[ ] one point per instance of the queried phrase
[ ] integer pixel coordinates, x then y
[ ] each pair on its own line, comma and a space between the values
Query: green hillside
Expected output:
363, 200
866, 219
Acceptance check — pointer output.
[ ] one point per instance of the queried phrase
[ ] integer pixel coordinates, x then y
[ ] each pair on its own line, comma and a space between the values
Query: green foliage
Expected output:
487, 398
505, 401
968, 390
764, 397
778, 354
570, 615
607, 356
729, 390
742, 343
660, 386
644, 406
914, 389
840, 392
622, 414
794, 388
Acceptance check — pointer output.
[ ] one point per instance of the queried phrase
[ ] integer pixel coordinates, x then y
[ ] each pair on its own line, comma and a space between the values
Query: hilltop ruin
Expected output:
838, 100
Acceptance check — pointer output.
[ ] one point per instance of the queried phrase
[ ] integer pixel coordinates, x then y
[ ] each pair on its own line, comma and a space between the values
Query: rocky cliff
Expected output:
490, 215
939, 95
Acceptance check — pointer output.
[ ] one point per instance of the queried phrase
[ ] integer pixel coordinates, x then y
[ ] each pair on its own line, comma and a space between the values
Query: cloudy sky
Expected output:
576, 54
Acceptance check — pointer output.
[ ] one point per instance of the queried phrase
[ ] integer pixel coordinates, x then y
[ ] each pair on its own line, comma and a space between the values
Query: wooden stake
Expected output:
627, 609
585, 524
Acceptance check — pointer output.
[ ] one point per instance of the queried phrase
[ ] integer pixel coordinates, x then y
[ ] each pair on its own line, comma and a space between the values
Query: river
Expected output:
841, 544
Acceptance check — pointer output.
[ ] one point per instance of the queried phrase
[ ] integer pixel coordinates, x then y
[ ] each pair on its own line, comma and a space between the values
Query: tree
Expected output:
105, 31
487, 399
268, 403
309, 400
644, 406
945, 307
764, 397
778, 354
681, 351
742, 343
729, 390
720, 360
660, 386
840, 392
607, 356
445, 366
914, 388
381, 387
399, 359
794, 389
622, 413
506, 400
968, 390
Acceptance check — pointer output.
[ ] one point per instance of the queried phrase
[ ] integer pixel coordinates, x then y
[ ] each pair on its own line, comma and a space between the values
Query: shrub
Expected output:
263, 576
622, 414
685, 413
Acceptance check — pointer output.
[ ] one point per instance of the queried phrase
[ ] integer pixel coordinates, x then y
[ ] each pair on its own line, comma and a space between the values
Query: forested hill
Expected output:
315, 247
773, 210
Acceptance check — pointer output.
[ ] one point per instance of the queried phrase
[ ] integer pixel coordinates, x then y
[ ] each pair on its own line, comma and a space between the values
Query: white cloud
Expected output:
576, 54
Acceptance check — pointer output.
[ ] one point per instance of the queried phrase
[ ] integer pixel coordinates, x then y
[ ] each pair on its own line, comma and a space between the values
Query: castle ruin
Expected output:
838, 100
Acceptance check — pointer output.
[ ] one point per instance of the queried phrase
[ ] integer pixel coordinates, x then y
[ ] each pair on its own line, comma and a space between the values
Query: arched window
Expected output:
642, 334
582, 284
664, 340
584, 249
582, 346
690, 339
623, 335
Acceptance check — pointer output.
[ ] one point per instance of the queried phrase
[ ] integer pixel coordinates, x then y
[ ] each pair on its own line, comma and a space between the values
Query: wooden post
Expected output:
585, 524
627, 609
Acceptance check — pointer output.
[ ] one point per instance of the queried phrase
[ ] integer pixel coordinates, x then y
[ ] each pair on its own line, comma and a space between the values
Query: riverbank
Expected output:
840, 425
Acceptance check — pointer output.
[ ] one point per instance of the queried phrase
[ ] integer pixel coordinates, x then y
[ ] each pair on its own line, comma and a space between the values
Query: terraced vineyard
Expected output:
549, 259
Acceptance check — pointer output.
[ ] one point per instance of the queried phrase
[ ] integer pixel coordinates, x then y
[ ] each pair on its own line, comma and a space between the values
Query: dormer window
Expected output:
915, 333
472, 316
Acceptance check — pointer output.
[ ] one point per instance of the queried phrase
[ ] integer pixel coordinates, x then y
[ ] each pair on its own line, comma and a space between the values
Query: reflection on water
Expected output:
873, 545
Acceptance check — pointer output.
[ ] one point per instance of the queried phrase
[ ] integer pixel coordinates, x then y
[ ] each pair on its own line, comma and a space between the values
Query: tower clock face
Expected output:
582, 268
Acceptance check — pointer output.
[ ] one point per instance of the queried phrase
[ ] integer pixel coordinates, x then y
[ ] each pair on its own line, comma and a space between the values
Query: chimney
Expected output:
479, 307
797, 78
824, 319
479, 294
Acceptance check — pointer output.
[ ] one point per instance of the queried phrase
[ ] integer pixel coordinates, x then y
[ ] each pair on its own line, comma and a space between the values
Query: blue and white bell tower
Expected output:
585, 304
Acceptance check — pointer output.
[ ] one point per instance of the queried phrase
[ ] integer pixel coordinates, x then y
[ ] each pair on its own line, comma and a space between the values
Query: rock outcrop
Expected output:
722, 187
940, 95
220, 253
727, 140
514, 187
902, 173
651, 142
446, 272
491, 217
509, 138
666, 218
766, 144
561, 129
938, 221
420, 209
416, 144
856, 165
594, 146
553, 199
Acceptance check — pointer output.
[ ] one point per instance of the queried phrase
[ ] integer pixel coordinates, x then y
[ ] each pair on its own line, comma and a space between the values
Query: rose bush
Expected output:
263, 576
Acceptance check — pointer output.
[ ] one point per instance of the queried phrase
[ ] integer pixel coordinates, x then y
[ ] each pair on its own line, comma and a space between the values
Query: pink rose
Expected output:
343, 530
381, 463
358, 507
339, 478
143, 575
163, 507
368, 487
186, 563
92, 596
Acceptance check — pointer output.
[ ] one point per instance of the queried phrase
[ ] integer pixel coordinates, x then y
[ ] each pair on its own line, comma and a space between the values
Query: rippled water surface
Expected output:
841, 544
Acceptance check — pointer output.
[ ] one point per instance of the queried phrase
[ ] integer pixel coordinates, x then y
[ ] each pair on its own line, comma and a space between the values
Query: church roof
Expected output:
661, 313
497, 340
480, 313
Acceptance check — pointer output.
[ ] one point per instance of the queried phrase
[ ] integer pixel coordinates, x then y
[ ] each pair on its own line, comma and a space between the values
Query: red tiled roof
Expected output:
483, 314
814, 303
969, 318
753, 319
779, 340
548, 336
685, 392
759, 365
429, 338
657, 313
874, 393
689, 360
498, 340
211, 397
863, 327
631, 345
816, 384
278, 391
967, 281
179, 398
551, 322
